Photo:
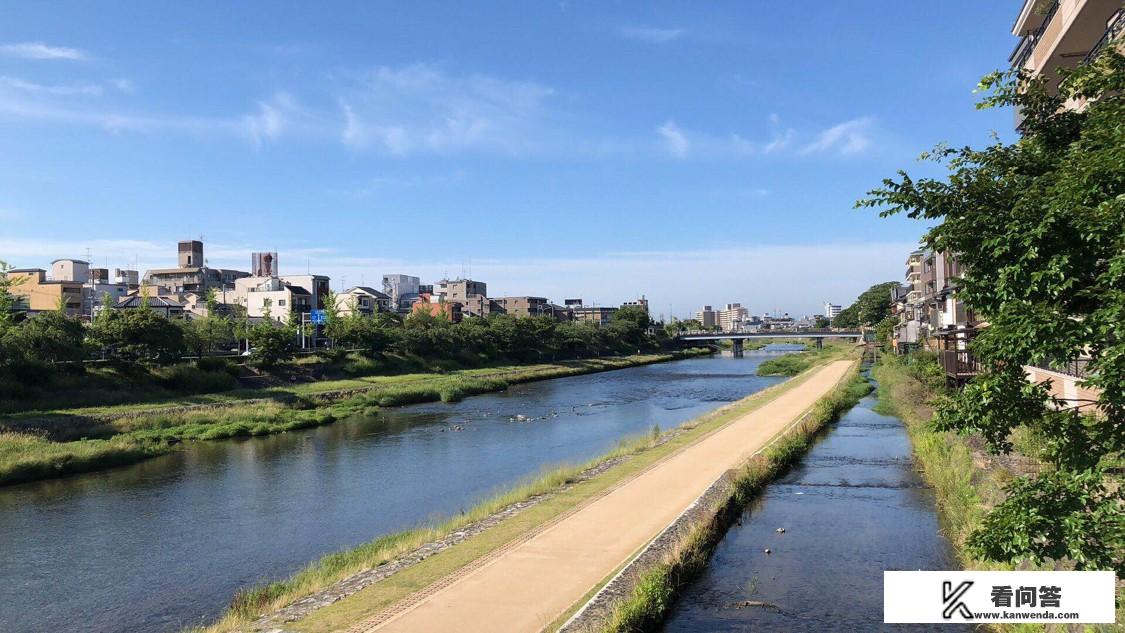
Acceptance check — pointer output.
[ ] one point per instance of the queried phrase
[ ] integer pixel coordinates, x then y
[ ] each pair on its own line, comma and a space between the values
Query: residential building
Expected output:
707, 317
435, 306
731, 317
362, 300
600, 315
164, 305
524, 306
1059, 34
272, 295
831, 310
1054, 35
192, 273
641, 303
34, 292
317, 286
472, 295
402, 289
70, 270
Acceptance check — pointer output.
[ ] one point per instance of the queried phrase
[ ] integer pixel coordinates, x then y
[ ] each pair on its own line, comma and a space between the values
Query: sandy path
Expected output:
527, 586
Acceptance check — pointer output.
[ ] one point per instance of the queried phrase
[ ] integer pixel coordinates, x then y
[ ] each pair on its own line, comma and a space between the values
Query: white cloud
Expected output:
421, 108
675, 141
16, 83
849, 137
124, 85
271, 119
39, 50
651, 35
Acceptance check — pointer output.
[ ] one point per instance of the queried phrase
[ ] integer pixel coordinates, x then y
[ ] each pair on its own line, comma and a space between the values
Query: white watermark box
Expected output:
911, 597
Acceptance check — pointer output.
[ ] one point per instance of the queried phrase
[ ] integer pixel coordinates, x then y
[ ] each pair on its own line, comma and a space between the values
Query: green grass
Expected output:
794, 363
655, 590
37, 448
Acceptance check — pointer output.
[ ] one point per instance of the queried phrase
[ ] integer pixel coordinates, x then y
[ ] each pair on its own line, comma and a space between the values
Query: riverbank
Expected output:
84, 440
967, 479
639, 597
315, 586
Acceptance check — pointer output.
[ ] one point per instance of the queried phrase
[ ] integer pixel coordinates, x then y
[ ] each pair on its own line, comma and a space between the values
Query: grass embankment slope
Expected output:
655, 590
564, 493
967, 482
794, 363
80, 440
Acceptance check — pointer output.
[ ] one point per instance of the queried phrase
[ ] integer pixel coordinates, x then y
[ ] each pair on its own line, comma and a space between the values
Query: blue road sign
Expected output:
318, 317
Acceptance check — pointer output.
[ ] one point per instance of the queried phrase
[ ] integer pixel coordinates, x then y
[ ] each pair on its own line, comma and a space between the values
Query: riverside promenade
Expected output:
531, 582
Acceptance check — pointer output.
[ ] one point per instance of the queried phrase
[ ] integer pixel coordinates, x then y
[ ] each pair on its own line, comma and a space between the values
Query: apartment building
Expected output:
435, 306
731, 317
34, 292
192, 273
317, 287
1057, 34
271, 295
641, 303
472, 295
832, 310
403, 290
600, 315
362, 300
524, 306
707, 317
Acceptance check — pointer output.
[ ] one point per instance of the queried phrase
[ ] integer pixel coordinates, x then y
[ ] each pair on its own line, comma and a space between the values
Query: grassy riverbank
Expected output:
562, 492
654, 591
83, 440
797, 362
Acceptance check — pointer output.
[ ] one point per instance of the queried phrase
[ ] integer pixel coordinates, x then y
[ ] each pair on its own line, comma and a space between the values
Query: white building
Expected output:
732, 317
831, 310
402, 289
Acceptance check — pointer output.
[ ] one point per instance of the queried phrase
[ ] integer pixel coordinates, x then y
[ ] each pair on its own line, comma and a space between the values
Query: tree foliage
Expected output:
871, 307
139, 334
1039, 226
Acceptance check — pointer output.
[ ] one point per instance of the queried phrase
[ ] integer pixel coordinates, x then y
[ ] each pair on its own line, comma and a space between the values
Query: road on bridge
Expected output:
527, 586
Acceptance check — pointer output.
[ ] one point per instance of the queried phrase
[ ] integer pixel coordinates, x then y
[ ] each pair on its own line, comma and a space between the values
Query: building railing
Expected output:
958, 364
1078, 368
1027, 45
1113, 30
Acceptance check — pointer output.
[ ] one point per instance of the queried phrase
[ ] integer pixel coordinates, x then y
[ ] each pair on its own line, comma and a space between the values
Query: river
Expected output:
164, 544
851, 509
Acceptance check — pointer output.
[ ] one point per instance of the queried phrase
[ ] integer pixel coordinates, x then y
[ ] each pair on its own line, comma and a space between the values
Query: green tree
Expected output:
48, 336
8, 300
871, 307
139, 334
1039, 226
272, 342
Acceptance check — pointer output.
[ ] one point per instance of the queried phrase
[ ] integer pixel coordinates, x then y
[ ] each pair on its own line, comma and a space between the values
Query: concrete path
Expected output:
528, 584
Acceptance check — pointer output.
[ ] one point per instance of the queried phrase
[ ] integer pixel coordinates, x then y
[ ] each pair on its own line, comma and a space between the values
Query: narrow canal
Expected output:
164, 544
852, 508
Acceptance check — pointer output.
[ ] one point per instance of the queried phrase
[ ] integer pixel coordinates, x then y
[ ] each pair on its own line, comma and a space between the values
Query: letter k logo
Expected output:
952, 599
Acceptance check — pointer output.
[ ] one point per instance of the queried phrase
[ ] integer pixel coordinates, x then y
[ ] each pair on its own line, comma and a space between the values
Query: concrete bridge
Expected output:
738, 337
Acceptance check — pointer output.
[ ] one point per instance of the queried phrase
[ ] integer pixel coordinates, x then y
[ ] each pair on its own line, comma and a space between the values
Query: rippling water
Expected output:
165, 543
851, 509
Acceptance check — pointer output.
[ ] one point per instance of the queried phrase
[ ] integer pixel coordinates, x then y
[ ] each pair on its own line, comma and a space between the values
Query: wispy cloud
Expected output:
16, 83
849, 137
271, 119
675, 141
422, 108
650, 34
39, 50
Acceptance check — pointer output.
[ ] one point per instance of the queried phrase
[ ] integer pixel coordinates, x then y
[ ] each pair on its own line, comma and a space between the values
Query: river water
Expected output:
851, 509
165, 543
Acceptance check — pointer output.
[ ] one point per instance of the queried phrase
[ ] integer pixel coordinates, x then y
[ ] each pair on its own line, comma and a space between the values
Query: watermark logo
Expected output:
952, 599
1059, 597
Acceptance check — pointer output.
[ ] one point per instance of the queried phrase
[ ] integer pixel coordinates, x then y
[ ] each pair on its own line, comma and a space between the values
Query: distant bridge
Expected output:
738, 337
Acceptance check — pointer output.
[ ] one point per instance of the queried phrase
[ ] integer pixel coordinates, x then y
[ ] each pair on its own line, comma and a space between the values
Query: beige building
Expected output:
472, 295
731, 317
35, 293
362, 300
260, 295
707, 317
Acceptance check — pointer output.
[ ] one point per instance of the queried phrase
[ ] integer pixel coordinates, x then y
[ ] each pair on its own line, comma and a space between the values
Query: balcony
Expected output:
1077, 368
1113, 30
959, 365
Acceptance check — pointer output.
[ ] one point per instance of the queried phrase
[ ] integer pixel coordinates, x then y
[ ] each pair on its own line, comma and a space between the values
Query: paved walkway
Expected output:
528, 584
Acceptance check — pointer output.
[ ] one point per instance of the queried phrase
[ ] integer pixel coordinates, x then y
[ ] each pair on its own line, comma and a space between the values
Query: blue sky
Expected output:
693, 152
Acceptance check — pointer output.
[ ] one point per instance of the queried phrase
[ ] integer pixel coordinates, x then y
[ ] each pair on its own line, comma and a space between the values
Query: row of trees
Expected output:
141, 334
1039, 225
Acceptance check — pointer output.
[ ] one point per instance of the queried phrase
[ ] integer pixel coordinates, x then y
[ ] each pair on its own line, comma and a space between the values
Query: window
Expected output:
281, 302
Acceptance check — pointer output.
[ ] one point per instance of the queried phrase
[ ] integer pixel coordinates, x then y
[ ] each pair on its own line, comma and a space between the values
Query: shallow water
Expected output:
165, 543
851, 509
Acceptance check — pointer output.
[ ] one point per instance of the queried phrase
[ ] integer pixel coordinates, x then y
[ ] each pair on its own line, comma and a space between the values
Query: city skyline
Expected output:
616, 148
